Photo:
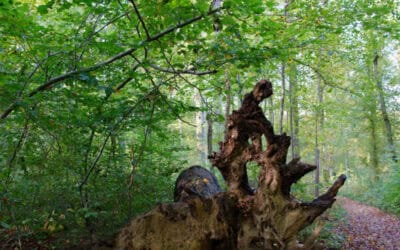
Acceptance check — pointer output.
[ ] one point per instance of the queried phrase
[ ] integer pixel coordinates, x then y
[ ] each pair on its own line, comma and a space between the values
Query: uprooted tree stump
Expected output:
203, 217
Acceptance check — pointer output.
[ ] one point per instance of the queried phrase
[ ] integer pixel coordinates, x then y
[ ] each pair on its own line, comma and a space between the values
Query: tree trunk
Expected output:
200, 131
319, 122
294, 113
240, 218
382, 102
271, 110
283, 76
317, 170
374, 158
228, 99
239, 92
209, 135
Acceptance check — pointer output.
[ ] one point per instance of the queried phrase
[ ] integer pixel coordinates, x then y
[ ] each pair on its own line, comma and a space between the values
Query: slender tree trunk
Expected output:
283, 76
137, 159
294, 113
130, 183
317, 160
113, 147
374, 143
331, 169
318, 127
240, 94
271, 110
382, 102
228, 99
200, 120
209, 136
19, 144
321, 112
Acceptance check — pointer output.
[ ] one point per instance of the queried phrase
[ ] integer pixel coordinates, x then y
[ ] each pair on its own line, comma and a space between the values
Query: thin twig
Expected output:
318, 72
20, 143
140, 19
204, 101
139, 158
85, 43
122, 84
166, 101
84, 181
113, 129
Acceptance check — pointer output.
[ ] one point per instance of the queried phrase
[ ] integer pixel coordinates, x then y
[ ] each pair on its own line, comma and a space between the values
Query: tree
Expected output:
383, 108
85, 124
240, 218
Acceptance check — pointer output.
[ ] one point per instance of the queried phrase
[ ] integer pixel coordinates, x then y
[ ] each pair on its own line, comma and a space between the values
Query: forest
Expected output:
105, 105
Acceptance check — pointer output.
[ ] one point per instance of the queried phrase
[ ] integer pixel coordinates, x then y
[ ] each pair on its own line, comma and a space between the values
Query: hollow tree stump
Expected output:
240, 218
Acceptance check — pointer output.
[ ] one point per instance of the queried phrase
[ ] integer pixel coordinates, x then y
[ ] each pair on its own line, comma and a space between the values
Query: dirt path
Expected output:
368, 227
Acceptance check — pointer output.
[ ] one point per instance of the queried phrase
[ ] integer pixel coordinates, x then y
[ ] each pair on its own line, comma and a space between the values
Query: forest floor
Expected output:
364, 228
368, 227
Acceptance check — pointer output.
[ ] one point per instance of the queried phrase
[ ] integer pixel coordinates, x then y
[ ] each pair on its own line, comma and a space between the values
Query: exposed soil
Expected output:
368, 227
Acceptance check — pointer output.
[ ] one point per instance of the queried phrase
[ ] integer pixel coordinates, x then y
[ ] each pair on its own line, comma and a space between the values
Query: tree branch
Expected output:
328, 197
292, 172
122, 84
183, 24
166, 101
140, 18
185, 71
20, 143
186, 80
48, 85
318, 72
113, 129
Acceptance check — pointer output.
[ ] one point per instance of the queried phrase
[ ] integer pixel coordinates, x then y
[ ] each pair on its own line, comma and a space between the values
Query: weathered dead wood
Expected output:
196, 182
240, 218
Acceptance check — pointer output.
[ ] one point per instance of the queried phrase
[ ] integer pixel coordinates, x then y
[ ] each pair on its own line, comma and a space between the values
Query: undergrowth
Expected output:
382, 192
328, 237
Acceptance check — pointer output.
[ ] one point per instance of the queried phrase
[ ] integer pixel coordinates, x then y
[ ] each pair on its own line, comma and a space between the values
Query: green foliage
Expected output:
391, 192
68, 146
330, 220
383, 192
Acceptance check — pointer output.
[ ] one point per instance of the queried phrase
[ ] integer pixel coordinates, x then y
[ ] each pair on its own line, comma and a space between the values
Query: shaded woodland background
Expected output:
103, 103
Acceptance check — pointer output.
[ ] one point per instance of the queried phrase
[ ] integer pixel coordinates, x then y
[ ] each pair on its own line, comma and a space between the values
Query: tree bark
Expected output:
317, 170
209, 135
283, 76
240, 218
382, 102
294, 113
319, 122
271, 110
374, 158
200, 131
228, 99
